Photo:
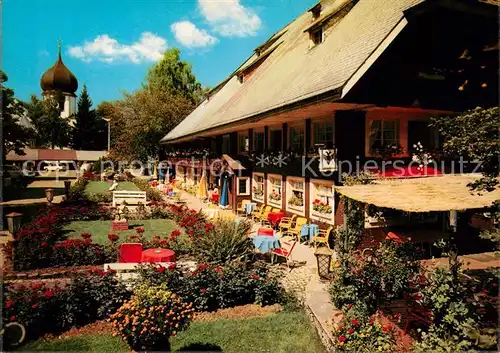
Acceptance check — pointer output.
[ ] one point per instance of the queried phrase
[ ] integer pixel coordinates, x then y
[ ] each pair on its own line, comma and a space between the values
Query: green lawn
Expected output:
99, 187
101, 229
283, 332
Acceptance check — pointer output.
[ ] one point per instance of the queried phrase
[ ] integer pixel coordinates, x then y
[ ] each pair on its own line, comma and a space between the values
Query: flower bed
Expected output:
212, 287
54, 307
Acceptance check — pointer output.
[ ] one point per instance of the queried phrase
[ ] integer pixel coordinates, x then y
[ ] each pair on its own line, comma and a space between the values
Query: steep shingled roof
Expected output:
294, 71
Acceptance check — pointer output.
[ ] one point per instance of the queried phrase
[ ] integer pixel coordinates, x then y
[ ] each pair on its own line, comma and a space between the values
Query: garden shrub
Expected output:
152, 194
76, 252
93, 296
212, 287
150, 317
458, 307
364, 335
226, 242
373, 280
49, 307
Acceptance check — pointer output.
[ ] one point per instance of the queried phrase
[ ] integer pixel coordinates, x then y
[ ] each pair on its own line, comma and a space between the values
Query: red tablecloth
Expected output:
275, 217
215, 198
158, 255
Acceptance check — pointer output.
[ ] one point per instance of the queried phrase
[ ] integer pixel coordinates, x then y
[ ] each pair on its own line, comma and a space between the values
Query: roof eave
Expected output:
331, 95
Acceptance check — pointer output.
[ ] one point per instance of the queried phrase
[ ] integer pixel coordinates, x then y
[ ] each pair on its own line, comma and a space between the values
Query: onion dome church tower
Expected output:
60, 83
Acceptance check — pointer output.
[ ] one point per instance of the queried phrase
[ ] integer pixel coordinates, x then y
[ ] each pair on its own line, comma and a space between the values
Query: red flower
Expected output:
86, 235
350, 331
342, 339
48, 294
44, 244
140, 230
494, 284
175, 233
12, 318
203, 290
255, 277
221, 276
172, 266
9, 303
34, 306
372, 320
113, 237
387, 328
349, 306
160, 269
202, 267
355, 322
218, 269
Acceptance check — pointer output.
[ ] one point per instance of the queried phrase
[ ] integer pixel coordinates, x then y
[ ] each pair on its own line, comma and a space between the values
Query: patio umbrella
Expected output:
224, 200
202, 186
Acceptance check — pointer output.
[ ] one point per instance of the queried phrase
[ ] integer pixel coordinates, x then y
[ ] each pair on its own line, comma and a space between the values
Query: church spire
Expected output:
59, 41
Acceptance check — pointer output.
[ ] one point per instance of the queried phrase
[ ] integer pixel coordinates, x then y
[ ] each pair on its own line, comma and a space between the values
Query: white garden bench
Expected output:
130, 197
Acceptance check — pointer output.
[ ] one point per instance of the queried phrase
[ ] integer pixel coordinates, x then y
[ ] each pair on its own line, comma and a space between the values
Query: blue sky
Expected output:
109, 44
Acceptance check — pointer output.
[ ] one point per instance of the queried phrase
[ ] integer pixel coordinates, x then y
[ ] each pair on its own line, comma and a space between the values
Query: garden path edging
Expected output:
320, 310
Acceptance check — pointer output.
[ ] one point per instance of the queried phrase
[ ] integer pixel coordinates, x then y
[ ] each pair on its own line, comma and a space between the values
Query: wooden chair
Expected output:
130, 252
297, 228
257, 213
285, 251
241, 207
263, 217
286, 223
321, 237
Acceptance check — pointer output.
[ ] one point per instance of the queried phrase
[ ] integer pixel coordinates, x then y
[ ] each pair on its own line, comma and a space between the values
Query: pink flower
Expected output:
202, 267
255, 277
48, 294
44, 244
203, 290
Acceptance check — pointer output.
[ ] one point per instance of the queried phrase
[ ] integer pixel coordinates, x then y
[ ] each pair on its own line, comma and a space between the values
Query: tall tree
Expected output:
15, 136
175, 76
141, 119
475, 134
52, 130
90, 130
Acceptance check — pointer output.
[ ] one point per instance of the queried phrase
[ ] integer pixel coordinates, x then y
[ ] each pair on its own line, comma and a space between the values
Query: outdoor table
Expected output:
158, 255
275, 217
249, 207
309, 230
265, 243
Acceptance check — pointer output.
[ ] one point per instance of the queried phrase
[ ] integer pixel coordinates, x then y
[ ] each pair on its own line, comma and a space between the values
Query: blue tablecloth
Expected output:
309, 230
249, 207
266, 243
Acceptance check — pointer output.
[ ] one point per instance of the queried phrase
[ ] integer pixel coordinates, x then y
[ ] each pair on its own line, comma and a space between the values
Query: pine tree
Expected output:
89, 132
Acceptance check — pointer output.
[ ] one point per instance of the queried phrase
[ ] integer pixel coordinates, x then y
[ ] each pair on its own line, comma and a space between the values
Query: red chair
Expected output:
266, 231
130, 253
285, 251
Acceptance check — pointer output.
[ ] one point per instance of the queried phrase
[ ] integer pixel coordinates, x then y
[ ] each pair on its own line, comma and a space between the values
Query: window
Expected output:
295, 195
258, 187
244, 186
226, 144
323, 133
384, 133
297, 138
322, 201
243, 143
258, 141
275, 140
317, 36
274, 190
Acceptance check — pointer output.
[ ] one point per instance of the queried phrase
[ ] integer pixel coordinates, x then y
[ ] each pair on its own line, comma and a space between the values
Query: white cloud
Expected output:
190, 36
230, 18
149, 47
